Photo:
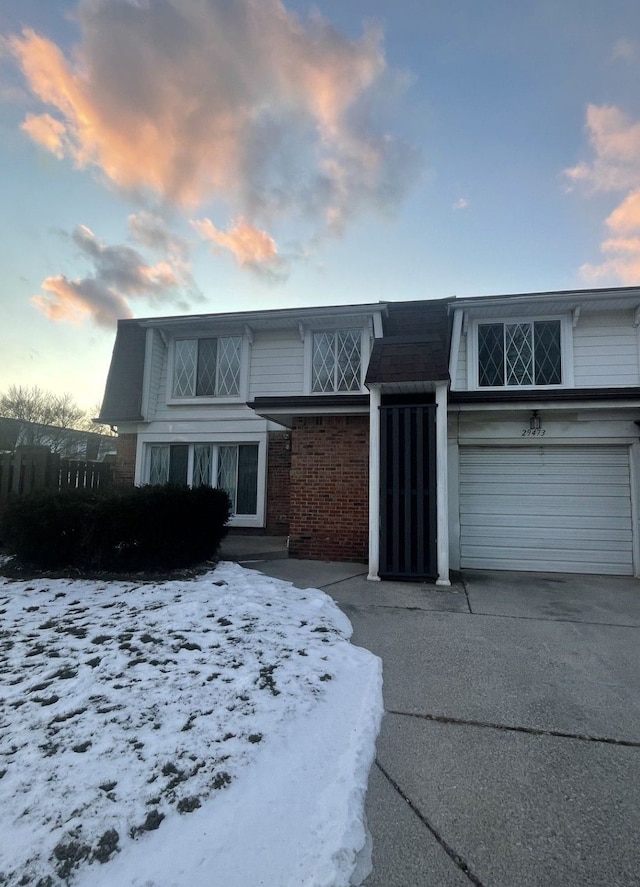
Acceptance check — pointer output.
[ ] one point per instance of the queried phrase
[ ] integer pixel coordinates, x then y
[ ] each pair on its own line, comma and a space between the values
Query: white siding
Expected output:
277, 364
605, 349
189, 418
157, 365
546, 508
162, 410
461, 382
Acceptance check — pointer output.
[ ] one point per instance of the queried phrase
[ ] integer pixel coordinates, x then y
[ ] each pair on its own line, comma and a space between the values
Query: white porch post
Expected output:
374, 483
442, 485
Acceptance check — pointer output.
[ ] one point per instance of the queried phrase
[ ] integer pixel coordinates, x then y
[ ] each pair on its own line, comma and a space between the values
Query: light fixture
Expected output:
534, 421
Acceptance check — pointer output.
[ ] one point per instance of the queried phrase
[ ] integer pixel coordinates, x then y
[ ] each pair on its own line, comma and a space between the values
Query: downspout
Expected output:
374, 482
442, 486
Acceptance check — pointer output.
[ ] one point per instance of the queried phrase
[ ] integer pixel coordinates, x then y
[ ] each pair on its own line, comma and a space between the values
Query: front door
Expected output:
408, 492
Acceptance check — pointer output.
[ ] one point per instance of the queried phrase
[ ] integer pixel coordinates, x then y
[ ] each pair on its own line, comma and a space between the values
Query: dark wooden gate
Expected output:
408, 492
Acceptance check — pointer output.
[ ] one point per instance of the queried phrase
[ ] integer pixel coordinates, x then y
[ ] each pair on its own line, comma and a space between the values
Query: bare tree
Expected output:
88, 423
47, 419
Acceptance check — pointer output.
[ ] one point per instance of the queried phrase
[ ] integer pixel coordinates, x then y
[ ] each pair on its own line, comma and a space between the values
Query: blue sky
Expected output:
167, 156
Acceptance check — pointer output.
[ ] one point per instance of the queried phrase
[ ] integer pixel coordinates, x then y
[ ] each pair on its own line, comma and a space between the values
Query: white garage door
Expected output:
554, 509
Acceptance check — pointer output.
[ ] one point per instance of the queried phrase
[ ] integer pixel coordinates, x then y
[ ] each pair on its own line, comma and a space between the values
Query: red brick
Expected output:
329, 488
125, 468
278, 483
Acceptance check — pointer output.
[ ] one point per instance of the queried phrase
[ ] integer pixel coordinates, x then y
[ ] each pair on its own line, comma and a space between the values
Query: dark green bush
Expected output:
137, 528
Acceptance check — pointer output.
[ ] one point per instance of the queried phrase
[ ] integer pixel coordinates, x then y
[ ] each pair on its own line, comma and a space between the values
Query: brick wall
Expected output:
329, 488
278, 483
126, 459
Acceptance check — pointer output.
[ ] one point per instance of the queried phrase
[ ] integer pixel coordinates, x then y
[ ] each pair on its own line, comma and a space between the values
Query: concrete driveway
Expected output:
510, 748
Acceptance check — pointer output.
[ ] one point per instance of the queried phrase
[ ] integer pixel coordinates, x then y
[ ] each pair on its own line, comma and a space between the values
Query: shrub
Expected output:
145, 528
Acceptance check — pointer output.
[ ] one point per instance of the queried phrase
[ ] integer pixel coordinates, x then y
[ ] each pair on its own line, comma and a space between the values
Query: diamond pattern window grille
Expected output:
336, 361
548, 360
348, 360
323, 362
159, 469
228, 473
490, 354
184, 372
229, 366
519, 354
207, 367
202, 466
207, 362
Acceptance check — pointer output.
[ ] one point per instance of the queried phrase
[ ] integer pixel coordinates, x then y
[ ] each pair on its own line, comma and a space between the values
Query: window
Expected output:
336, 361
207, 367
169, 465
521, 353
231, 467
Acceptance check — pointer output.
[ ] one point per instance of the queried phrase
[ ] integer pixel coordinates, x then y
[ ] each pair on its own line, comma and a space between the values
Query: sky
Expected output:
163, 157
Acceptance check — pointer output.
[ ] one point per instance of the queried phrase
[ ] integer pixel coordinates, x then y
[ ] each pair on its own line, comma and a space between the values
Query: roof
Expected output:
283, 410
548, 395
603, 299
123, 393
272, 318
415, 346
9, 432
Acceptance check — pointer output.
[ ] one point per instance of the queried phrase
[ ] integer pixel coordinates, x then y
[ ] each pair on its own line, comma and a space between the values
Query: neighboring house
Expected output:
340, 427
69, 443
543, 435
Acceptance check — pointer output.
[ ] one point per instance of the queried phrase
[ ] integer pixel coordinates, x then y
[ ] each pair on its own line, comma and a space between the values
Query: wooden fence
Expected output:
28, 469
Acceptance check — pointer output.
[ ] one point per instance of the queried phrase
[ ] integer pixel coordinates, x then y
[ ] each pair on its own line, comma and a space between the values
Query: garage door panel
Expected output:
539, 565
546, 508
565, 536
543, 506
550, 556
545, 489
500, 516
556, 521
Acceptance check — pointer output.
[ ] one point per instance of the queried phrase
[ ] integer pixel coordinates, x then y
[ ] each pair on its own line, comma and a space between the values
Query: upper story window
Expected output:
519, 353
207, 367
336, 362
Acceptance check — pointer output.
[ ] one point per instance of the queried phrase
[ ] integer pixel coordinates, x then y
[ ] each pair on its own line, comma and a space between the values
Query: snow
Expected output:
212, 731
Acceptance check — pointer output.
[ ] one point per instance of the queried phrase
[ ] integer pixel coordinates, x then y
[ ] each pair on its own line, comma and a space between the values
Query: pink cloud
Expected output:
242, 102
615, 168
626, 217
46, 131
72, 301
252, 248
615, 140
119, 274
247, 243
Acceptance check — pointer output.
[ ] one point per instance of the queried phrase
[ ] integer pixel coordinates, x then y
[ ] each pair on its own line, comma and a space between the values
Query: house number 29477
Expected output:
533, 432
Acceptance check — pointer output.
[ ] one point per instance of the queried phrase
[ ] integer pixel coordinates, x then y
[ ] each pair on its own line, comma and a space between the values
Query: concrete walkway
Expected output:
510, 747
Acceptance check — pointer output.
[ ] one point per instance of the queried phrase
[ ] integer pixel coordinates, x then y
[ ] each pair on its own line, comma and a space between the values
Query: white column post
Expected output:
442, 485
374, 483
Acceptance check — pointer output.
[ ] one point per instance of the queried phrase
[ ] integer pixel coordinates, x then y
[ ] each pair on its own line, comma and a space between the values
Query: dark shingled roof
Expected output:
415, 347
123, 394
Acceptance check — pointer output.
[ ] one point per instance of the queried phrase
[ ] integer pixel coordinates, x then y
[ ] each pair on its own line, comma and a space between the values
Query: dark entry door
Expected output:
408, 492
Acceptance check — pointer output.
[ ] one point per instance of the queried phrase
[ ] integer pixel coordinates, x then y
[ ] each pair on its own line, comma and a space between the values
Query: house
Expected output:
70, 443
543, 435
491, 432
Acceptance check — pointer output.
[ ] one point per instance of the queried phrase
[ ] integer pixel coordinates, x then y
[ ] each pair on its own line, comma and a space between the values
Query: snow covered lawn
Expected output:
210, 731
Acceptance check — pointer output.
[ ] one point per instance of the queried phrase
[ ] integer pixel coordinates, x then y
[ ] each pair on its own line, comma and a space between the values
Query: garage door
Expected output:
554, 509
